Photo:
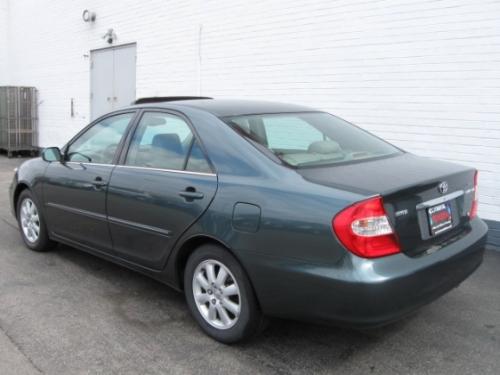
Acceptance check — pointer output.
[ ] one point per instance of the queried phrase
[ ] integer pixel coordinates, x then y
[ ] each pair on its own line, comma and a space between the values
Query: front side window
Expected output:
310, 138
100, 142
165, 141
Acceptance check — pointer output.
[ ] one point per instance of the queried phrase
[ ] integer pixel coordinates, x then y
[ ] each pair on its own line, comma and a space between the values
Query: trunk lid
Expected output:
427, 201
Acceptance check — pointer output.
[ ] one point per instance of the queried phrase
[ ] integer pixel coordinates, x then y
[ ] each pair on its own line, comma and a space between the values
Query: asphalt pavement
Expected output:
67, 312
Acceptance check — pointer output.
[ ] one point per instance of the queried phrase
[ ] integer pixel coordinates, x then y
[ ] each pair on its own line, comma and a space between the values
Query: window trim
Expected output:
209, 174
118, 152
131, 131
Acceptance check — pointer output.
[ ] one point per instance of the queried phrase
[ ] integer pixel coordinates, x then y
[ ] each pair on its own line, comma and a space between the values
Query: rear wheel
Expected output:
220, 296
32, 224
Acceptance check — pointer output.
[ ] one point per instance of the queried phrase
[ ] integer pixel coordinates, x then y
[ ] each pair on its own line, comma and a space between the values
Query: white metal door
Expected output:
124, 76
112, 79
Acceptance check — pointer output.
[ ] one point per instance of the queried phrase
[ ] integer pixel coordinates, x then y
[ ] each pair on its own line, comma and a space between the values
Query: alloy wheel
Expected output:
30, 220
216, 294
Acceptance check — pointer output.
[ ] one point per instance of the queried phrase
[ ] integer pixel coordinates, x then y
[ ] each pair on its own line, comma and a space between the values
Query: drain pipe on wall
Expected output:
200, 33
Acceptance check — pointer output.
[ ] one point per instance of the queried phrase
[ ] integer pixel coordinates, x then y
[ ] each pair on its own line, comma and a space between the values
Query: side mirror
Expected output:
52, 154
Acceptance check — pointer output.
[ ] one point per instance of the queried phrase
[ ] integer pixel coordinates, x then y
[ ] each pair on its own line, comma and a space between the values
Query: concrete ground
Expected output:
67, 312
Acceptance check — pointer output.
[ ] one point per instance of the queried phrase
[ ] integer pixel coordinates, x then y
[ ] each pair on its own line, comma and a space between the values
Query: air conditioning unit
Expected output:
18, 120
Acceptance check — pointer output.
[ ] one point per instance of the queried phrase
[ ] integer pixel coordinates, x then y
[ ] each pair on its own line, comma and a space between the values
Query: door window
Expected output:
99, 143
164, 141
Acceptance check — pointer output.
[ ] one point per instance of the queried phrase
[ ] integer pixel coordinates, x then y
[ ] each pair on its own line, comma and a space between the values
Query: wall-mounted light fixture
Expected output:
88, 16
110, 36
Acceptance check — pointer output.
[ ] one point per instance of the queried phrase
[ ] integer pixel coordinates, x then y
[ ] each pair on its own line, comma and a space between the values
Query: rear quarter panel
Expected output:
295, 221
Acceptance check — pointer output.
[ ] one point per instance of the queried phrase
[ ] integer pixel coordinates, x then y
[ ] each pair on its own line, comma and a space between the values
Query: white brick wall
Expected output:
3, 40
423, 74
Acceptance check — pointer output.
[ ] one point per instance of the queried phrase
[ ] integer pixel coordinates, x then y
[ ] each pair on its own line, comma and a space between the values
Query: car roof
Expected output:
230, 107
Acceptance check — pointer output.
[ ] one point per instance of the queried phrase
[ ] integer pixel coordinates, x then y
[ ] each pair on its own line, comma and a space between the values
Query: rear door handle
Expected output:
190, 194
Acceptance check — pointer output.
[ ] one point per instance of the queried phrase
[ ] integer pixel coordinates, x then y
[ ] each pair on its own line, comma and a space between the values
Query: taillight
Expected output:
364, 229
475, 201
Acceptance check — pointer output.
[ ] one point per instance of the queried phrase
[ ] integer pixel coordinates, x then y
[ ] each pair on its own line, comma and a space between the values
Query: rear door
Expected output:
163, 184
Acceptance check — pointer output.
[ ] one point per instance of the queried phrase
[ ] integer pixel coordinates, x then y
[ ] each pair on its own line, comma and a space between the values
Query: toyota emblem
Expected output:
443, 187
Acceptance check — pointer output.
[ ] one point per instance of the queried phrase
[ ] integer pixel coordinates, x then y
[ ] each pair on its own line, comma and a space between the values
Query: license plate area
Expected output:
440, 218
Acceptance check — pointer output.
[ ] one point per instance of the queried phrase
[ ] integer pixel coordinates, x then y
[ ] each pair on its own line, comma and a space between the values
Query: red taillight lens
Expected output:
364, 229
473, 209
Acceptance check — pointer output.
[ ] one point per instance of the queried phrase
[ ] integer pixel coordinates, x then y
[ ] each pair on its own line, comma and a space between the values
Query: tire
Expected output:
32, 215
244, 322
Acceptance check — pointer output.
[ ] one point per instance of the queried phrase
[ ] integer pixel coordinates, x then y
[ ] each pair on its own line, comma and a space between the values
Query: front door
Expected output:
163, 185
75, 190
112, 79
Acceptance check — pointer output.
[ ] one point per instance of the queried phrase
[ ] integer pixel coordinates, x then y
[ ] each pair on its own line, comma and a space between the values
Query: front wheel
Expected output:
220, 296
32, 224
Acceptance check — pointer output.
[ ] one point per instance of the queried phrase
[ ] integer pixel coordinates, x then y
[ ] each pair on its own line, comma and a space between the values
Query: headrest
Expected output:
168, 142
324, 147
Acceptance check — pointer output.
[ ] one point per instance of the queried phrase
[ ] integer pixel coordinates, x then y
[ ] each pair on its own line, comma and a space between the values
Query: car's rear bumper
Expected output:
364, 292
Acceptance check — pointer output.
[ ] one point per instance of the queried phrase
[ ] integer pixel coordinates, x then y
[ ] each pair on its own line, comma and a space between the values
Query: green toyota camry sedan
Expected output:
255, 210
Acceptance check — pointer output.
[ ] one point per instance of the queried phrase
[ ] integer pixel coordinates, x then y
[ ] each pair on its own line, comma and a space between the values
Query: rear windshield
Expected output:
310, 138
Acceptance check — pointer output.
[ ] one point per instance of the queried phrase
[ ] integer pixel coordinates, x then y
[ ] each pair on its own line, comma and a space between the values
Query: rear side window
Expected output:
165, 141
197, 161
310, 138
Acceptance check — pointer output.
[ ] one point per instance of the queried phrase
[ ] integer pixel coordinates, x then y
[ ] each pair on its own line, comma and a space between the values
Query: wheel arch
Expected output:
21, 186
190, 245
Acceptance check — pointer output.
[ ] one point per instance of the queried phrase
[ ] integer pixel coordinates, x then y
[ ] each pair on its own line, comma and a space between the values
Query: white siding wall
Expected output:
424, 74
3, 40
